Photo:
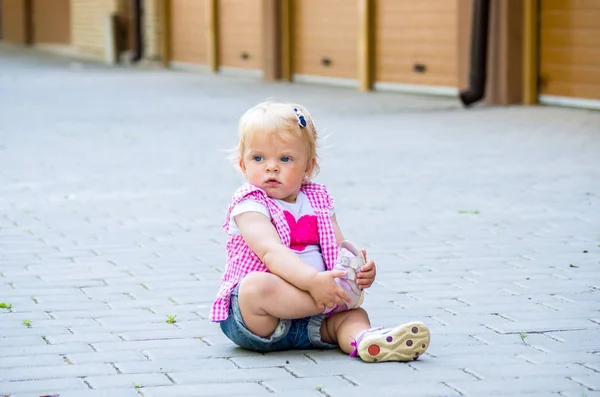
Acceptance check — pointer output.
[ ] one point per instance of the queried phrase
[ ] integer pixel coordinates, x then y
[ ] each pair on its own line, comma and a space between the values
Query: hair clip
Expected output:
301, 118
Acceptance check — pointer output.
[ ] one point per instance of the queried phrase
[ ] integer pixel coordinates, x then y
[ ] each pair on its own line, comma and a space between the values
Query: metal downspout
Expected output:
138, 41
479, 46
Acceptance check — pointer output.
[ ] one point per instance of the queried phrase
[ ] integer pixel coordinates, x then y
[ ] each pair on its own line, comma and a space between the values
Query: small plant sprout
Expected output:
523, 336
319, 388
137, 385
27, 323
171, 319
6, 306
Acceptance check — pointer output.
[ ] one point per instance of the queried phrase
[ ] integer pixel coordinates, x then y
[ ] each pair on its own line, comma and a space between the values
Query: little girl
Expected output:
292, 281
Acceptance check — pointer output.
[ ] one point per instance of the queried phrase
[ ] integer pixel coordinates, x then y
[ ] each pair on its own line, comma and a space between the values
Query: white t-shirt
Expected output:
302, 221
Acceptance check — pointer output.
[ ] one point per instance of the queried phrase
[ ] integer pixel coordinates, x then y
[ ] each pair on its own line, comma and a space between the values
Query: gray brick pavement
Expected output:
113, 186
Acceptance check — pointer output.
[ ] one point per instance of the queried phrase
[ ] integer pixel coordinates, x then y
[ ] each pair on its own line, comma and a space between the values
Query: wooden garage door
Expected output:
189, 31
416, 42
325, 38
52, 21
570, 48
240, 34
13, 21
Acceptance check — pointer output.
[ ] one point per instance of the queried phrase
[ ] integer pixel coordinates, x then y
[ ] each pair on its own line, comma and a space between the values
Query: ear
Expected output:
310, 166
242, 165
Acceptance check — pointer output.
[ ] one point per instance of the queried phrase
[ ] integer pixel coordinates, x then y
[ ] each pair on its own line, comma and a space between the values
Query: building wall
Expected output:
423, 33
570, 49
324, 39
240, 34
188, 36
13, 21
51, 21
88, 24
564, 35
152, 30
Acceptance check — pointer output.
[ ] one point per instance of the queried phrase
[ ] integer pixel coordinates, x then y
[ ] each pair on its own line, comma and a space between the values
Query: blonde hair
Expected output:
279, 119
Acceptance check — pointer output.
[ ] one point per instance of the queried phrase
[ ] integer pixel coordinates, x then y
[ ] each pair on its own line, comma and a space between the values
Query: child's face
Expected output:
278, 166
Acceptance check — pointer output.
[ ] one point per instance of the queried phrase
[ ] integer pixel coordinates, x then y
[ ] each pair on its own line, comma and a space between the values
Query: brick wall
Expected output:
88, 24
152, 30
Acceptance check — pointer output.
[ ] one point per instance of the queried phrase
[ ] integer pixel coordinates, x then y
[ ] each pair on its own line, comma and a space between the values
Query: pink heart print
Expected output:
303, 232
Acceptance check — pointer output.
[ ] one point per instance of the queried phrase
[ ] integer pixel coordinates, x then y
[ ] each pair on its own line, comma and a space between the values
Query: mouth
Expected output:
272, 182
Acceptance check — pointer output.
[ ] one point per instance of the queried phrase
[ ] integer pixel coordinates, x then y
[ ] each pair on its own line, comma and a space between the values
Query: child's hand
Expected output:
366, 274
325, 291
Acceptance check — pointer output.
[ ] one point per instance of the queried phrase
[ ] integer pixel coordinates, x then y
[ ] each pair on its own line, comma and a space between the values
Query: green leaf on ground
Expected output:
171, 319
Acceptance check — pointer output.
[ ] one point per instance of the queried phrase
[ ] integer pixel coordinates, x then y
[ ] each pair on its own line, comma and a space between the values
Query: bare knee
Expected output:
255, 291
259, 286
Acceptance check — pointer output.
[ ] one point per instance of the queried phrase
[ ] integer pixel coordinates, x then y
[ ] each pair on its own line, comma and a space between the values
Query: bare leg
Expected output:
341, 327
264, 298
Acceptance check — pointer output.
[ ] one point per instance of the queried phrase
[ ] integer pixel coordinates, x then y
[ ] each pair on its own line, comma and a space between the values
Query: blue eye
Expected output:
285, 159
257, 158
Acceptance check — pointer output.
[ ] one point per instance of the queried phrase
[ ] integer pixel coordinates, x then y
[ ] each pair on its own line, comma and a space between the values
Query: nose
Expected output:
272, 166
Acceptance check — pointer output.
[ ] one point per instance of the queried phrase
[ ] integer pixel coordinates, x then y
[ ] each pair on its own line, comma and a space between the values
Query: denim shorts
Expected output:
303, 333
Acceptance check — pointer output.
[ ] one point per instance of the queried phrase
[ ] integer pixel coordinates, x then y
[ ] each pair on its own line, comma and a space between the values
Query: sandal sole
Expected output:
404, 343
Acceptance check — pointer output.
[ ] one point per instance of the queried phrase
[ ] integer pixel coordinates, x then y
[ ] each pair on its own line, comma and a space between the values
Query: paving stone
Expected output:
344, 368
408, 375
526, 370
320, 383
120, 327
270, 360
412, 389
128, 380
580, 393
58, 300
166, 365
541, 326
29, 361
202, 376
83, 338
15, 318
589, 380
104, 357
105, 314
46, 386
132, 392
149, 344
57, 371
19, 351
464, 360
215, 389
520, 385
551, 358
29, 340
40, 327
173, 333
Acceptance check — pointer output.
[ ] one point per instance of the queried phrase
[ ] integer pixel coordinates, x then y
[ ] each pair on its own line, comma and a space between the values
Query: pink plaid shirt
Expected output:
241, 260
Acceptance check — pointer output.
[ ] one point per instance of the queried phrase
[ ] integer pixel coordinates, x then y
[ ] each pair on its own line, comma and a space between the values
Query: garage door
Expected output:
51, 21
189, 32
570, 51
325, 40
240, 34
13, 21
416, 45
